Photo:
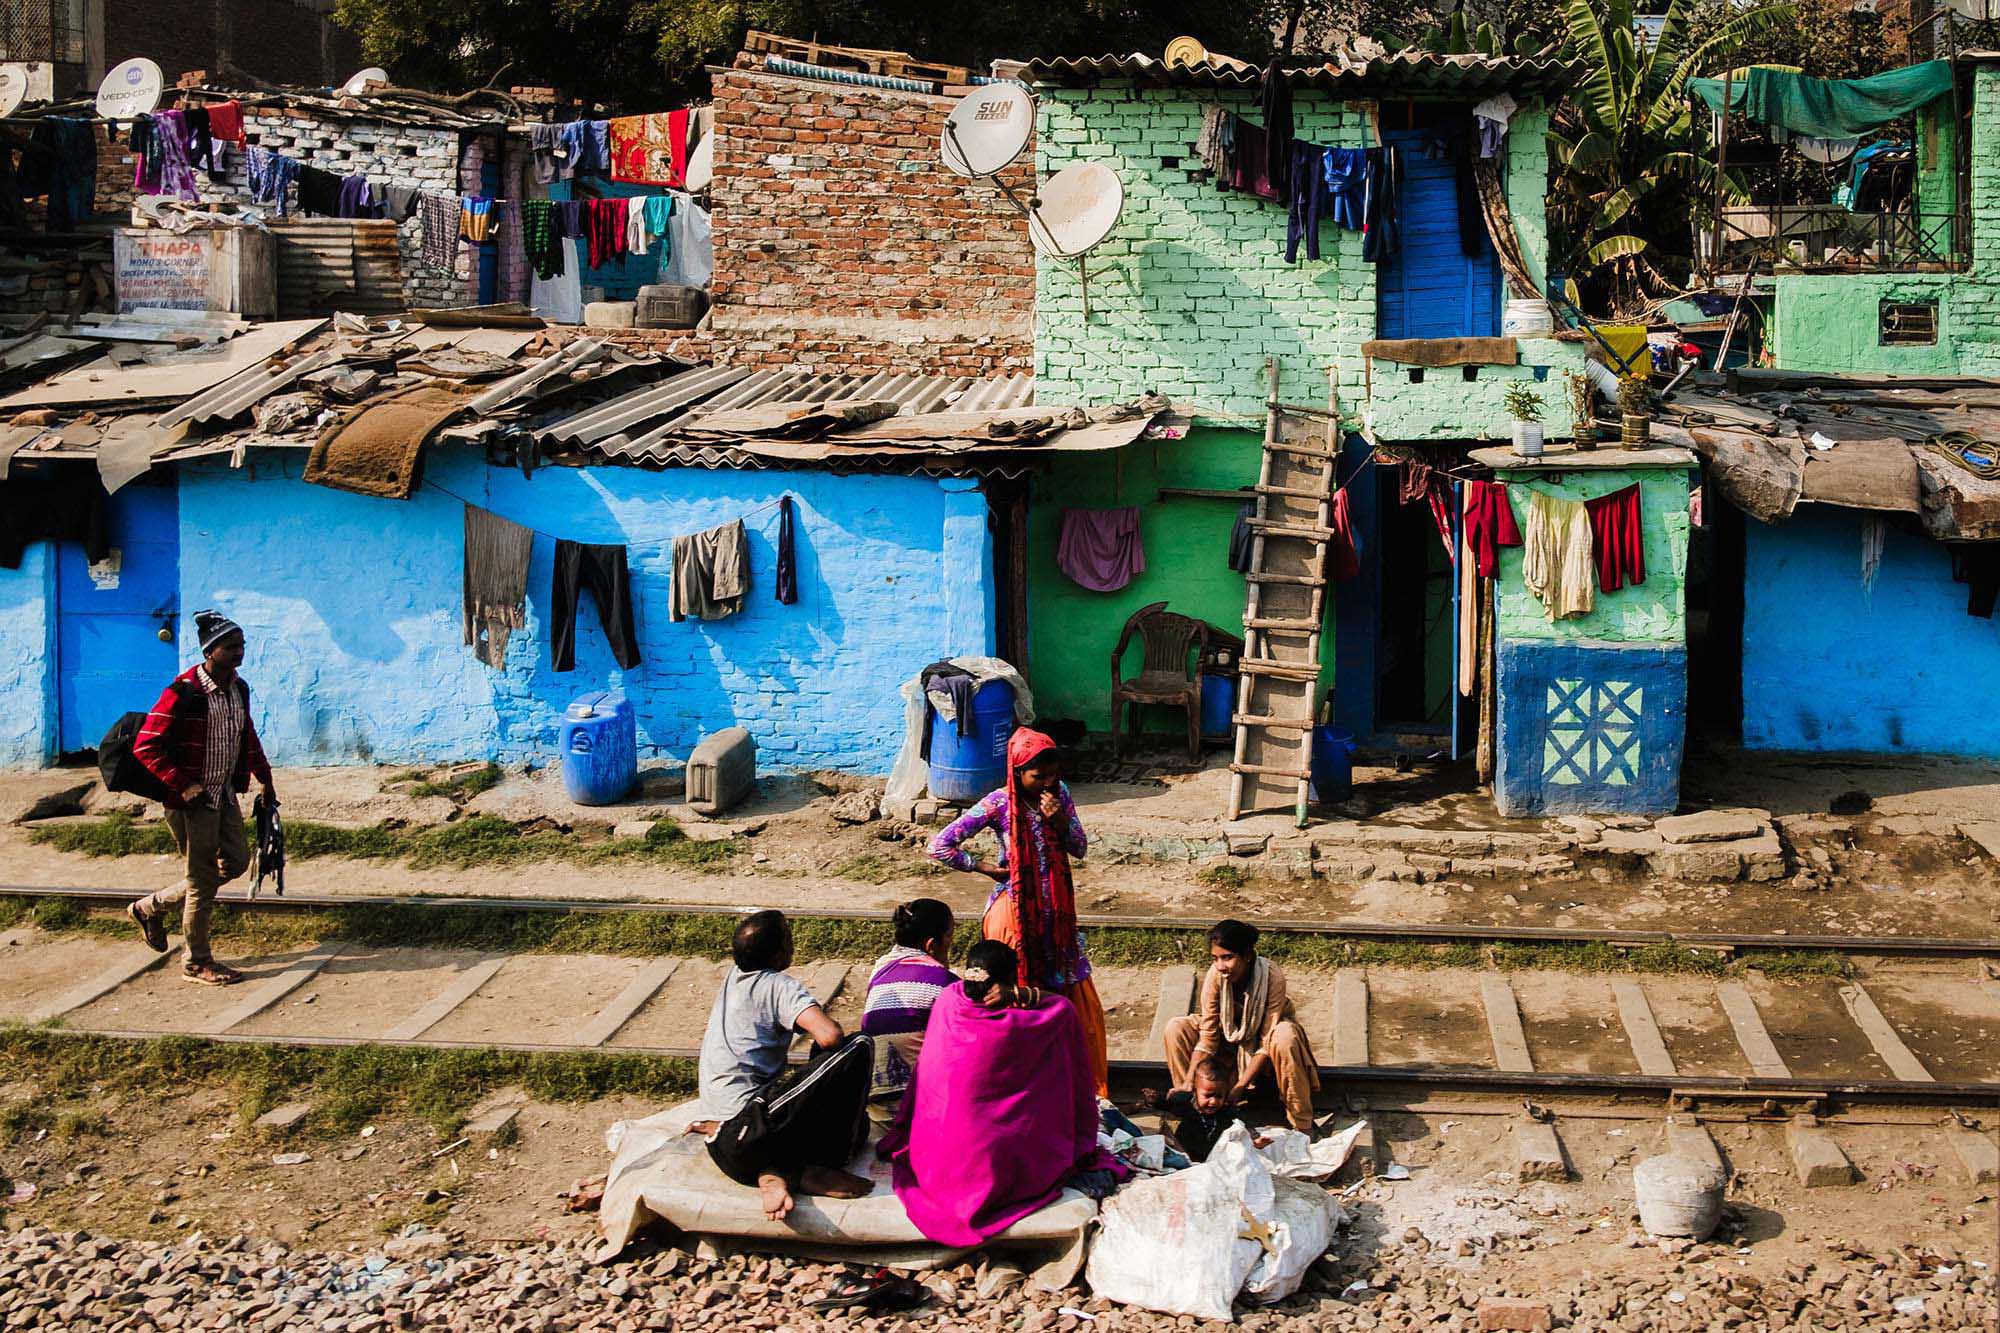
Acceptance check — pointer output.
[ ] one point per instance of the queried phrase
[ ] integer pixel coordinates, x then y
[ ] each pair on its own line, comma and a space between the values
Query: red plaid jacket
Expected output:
173, 745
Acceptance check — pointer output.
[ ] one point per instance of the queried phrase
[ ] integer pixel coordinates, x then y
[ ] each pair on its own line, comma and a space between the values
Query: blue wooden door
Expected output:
1431, 288
110, 659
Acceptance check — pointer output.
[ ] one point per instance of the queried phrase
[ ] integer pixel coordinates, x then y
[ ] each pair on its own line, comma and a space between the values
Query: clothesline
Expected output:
646, 545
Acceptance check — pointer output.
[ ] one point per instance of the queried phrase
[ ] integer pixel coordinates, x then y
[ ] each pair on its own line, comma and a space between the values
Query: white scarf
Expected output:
1238, 1027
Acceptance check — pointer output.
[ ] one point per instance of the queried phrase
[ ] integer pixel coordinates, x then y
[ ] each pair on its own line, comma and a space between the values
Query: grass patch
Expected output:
463, 787
1222, 876
348, 1085
875, 868
482, 840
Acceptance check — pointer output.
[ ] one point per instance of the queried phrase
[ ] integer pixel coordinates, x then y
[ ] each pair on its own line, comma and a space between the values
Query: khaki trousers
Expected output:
212, 841
1293, 1068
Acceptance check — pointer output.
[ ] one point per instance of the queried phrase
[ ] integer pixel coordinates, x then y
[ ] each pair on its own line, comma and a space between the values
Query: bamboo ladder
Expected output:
1284, 607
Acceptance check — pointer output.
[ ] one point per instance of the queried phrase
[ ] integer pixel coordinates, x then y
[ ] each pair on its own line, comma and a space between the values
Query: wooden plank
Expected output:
1902, 1061
263, 994
461, 989
1751, 1038
1503, 1021
1178, 988
133, 961
604, 1024
1640, 1028
1350, 1018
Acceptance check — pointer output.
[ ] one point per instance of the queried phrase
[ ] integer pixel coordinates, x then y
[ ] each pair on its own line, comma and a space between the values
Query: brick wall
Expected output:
842, 243
279, 41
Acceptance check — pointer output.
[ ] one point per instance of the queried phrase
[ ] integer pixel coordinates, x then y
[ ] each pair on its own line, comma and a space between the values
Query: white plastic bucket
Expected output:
1525, 317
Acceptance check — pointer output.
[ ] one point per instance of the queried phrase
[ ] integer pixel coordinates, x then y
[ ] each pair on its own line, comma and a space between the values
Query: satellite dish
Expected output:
1185, 52
1826, 150
13, 88
988, 129
131, 89
357, 85
701, 164
1978, 10
1075, 210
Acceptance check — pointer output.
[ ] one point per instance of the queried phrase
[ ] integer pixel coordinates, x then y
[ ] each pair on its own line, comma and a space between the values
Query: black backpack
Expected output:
120, 768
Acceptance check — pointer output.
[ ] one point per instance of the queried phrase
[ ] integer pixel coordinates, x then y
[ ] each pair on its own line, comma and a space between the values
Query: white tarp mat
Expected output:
660, 1171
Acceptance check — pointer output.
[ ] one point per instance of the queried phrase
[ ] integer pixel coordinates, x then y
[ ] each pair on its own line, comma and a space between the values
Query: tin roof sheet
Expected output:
1400, 71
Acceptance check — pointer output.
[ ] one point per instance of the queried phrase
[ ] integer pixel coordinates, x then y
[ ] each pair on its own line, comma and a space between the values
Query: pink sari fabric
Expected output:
1001, 1110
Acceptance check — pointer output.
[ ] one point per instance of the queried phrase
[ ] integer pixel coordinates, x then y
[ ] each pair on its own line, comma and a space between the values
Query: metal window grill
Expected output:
49, 30
1908, 322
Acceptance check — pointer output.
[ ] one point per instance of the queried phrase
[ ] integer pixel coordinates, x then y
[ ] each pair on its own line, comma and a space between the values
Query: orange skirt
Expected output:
1000, 923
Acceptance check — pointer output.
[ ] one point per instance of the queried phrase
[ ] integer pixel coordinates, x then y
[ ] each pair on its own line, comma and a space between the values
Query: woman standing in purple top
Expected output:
904, 985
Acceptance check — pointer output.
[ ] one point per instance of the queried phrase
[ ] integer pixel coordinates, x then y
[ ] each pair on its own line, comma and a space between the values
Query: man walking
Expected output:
199, 741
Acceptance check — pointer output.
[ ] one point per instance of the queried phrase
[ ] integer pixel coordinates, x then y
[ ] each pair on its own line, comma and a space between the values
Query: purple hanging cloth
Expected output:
1100, 548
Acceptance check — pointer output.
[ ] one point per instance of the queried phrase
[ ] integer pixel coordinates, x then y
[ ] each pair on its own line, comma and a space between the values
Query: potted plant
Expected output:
1525, 406
1582, 408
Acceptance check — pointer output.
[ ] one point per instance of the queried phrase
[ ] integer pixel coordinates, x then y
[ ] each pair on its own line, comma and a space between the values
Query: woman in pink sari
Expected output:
1002, 1108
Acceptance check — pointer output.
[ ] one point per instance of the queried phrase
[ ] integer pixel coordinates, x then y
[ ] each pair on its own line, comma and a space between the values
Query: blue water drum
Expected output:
1218, 705
965, 768
1332, 763
600, 748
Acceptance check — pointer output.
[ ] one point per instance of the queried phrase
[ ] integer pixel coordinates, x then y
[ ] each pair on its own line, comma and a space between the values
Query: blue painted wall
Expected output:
351, 605
27, 656
1590, 727
1826, 667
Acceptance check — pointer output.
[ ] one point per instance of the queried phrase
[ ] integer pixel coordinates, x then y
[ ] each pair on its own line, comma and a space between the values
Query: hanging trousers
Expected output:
602, 570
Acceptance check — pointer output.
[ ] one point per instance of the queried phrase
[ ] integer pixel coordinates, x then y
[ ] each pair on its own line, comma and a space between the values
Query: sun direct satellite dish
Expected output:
131, 89
357, 85
1828, 151
988, 129
1076, 210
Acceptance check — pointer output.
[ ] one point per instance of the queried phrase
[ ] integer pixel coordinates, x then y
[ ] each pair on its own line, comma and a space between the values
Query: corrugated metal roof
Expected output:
329, 264
1401, 71
636, 410
239, 393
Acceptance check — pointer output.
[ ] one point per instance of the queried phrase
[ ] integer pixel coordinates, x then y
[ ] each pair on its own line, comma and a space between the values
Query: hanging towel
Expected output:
1100, 548
711, 573
604, 229
1557, 563
440, 216
375, 449
225, 121
650, 150
496, 582
200, 140
1208, 144
1618, 545
1489, 525
568, 216
538, 234
475, 219
788, 561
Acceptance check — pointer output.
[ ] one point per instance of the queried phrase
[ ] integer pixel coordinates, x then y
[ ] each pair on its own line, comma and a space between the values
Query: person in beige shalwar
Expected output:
1244, 1018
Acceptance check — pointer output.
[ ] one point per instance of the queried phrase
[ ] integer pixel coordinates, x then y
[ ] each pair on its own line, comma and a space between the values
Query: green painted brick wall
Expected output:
1072, 630
1445, 405
1653, 612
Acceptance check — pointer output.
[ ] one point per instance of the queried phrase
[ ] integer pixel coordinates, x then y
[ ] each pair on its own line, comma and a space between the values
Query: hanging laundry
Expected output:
399, 203
587, 145
691, 258
1344, 551
439, 214
711, 573
1247, 170
1489, 525
1276, 104
1345, 173
650, 150
475, 220
1100, 549
271, 175
512, 269
601, 569
1697, 506
637, 238
225, 121
538, 234
1978, 566
1308, 194
1617, 542
1417, 480
167, 164
200, 140
1242, 538
659, 211
604, 228
1556, 565
568, 218
319, 192
65, 157
1491, 117
787, 589
545, 145
496, 582
358, 198
1381, 204
1208, 144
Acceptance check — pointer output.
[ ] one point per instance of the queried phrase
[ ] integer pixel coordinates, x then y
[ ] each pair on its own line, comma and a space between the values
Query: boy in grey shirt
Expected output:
786, 1131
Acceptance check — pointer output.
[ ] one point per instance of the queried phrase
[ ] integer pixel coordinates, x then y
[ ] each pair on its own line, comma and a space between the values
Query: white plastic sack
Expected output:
1295, 1157
1178, 1243
910, 778
1306, 1219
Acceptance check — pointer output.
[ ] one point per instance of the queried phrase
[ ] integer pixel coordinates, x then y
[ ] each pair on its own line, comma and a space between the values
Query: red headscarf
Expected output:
1043, 923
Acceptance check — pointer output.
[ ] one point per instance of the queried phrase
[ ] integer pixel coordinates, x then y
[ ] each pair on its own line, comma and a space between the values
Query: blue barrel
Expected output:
600, 748
1218, 705
965, 768
1332, 763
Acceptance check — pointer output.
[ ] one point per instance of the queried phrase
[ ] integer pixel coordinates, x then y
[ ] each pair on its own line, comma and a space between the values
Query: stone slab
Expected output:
1888, 1044
1641, 1030
1177, 996
1713, 825
1350, 1017
281, 1118
134, 960
604, 1024
1978, 1157
1817, 1160
460, 990
1751, 1037
264, 993
490, 1124
1986, 833
1700, 862
1687, 1137
1503, 1023
1538, 1153
1513, 1314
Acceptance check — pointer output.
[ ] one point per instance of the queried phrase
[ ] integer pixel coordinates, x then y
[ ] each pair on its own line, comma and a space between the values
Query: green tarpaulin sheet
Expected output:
1829, 108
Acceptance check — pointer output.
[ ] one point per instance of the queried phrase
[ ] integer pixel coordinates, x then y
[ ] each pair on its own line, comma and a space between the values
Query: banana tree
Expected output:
1628, 177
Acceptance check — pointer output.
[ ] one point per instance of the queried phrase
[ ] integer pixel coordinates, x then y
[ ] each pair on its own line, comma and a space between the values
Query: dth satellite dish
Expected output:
1977, 10
1826, 150
701, 164
988, 129
1075, 210
1185, 52
357, 85
13, 88
131, 89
